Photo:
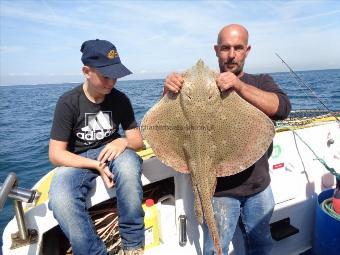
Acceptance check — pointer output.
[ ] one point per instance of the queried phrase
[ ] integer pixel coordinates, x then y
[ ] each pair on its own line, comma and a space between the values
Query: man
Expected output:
245, 197
85, 143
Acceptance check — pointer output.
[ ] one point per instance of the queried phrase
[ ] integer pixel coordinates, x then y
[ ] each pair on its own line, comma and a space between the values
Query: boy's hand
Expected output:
112, 150
173, 83
106, 174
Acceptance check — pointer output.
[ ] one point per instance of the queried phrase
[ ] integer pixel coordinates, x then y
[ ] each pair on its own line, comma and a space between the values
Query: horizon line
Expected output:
127, 80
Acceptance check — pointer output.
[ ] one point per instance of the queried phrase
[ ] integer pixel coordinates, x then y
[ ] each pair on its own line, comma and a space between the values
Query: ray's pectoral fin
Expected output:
243, 138
165, 132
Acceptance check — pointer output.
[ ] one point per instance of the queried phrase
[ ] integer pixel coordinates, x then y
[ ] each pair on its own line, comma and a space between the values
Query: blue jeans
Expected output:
253, 213
67, 200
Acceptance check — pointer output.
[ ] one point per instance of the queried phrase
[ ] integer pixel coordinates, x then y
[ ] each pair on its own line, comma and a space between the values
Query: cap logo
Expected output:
112, 54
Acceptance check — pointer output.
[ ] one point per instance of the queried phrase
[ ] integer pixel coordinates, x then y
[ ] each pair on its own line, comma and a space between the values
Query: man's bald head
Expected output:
233, 29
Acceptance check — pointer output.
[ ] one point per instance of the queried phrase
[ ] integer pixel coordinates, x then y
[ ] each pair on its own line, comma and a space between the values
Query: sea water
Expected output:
26, 114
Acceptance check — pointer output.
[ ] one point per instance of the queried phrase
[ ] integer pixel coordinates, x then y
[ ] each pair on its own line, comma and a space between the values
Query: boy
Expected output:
85, 143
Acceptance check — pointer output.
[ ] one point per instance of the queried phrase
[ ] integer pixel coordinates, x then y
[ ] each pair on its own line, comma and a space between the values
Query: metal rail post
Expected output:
19, 215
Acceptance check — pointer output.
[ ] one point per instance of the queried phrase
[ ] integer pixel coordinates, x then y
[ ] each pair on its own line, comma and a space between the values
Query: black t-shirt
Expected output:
256, 178
86, 125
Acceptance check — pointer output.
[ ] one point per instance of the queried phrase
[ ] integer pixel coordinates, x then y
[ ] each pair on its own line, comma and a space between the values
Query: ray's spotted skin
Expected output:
207, 134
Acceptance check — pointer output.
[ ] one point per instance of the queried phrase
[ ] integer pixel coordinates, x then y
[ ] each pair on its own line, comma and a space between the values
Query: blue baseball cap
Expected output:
103, 56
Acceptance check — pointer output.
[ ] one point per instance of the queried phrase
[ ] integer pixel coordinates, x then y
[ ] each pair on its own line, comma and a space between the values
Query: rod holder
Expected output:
10, 189
24, 195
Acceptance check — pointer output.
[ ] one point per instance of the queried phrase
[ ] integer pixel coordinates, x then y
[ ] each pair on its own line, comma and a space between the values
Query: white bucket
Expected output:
167, 211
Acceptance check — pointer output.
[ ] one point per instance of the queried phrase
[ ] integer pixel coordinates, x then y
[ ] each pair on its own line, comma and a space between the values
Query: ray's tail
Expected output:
204, 208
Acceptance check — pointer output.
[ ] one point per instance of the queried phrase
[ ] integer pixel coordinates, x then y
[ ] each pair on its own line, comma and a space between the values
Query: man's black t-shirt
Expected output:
86, 125
256, 178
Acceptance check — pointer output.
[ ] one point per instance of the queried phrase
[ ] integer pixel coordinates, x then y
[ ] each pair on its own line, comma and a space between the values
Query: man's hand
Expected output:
106, 174
228, 80
173, 83
112, 150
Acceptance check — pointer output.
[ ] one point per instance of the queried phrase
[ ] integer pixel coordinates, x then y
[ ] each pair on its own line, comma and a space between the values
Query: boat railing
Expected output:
9, 189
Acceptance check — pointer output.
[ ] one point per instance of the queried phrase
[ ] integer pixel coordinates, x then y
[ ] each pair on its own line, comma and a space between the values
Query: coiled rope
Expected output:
327, 206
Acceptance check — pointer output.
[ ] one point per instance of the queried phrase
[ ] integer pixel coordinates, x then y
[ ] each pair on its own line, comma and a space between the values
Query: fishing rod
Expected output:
313, 93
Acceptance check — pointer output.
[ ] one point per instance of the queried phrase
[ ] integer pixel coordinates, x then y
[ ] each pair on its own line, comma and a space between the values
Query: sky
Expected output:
40, 40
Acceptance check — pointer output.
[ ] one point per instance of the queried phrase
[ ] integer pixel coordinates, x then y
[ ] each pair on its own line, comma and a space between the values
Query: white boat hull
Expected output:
297, 179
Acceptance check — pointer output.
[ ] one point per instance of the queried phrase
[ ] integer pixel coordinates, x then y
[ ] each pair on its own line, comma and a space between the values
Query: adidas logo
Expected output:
98, 126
